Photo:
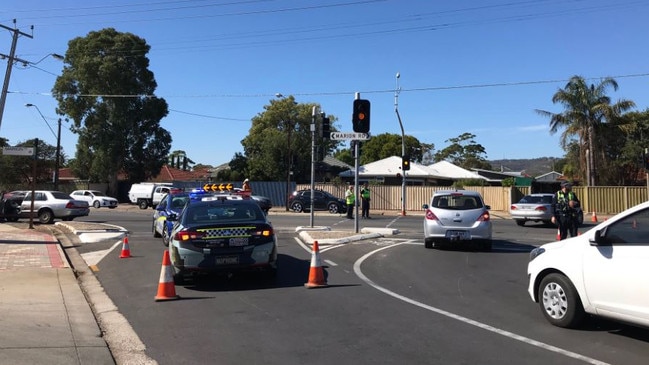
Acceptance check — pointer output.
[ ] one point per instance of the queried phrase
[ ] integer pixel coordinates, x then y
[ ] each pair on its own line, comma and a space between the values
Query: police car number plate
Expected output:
239, 241
226, 260
458, 235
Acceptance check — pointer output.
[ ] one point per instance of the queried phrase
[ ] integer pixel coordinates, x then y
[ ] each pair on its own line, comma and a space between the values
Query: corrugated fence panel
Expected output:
600, 199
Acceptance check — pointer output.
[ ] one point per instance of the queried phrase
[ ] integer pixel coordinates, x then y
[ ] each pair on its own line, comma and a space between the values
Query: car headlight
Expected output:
536, 252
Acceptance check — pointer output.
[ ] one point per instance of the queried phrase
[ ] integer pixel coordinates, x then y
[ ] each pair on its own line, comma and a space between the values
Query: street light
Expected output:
10, 61
58, 145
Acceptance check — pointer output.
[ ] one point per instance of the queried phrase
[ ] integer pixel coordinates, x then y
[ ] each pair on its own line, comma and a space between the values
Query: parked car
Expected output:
456, 217
602, 272
50, 205
264, 202
10, 205
537, 208
172, 203
95, 198
221, 234
300, 201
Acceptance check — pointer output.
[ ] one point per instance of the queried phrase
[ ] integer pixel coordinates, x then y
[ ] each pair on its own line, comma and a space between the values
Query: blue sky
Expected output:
481, 67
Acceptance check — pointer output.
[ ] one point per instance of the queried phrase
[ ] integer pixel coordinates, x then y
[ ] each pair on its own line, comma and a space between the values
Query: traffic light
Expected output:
361, 116
326, 128
405, 163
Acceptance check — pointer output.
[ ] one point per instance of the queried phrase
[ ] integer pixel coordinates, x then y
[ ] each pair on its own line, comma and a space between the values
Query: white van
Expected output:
148, 194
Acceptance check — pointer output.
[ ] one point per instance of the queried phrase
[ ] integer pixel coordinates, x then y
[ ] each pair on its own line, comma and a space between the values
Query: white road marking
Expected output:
331, 263
93, 258
545, 346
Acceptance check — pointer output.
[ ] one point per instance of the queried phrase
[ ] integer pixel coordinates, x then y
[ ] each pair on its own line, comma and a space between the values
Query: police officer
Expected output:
565, 204
365, 201
350, 198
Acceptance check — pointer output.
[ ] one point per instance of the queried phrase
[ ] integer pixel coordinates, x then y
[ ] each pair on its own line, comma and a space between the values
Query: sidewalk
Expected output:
53, 309
45, 316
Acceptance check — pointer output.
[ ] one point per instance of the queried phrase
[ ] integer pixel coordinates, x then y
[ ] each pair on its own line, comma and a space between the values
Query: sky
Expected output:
449, 67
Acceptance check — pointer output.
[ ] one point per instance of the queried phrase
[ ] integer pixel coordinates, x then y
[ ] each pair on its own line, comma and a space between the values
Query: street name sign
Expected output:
339, 136
18, 151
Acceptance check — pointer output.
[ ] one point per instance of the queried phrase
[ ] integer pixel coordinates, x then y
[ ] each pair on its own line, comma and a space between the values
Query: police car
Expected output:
222, 233
171, 203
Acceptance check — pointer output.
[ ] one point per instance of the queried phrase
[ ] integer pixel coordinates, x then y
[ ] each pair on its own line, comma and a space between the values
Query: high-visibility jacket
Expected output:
562, 199
365, 193
349, 197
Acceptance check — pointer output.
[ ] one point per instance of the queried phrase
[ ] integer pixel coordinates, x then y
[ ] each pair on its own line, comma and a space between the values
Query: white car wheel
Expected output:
560, 302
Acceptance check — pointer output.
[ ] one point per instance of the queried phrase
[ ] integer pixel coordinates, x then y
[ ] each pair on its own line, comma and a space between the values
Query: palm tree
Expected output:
586, 107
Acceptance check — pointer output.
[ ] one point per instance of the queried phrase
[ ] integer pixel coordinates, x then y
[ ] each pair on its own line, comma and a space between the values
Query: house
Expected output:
388, 171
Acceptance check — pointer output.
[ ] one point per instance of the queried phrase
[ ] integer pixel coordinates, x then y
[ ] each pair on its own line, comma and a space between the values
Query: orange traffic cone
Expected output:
166, 286
316, 273
594, 217
558, 234
126, 251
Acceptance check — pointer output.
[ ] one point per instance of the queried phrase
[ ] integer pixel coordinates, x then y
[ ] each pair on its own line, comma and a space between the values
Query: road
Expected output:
389, 301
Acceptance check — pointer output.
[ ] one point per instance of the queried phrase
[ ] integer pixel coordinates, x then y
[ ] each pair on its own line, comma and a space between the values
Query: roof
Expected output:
168, 173
390, 166
449, 170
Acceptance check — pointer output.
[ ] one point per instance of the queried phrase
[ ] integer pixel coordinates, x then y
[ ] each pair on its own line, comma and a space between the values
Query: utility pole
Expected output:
57, 163
10, 62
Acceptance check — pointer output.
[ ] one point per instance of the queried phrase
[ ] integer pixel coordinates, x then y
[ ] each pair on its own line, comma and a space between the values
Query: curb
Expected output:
366, 233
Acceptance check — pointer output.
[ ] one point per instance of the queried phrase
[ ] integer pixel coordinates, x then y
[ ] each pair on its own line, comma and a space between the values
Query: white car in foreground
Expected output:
602, 272
95, 198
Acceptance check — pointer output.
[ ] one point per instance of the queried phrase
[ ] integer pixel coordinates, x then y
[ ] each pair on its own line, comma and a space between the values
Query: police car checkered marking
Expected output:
226, 232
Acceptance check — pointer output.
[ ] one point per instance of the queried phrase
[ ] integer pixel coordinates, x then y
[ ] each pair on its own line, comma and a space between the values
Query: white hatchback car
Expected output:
95, 198
602, 272
456, 217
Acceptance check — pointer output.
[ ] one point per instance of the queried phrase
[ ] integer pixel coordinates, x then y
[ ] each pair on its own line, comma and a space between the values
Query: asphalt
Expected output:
53, 308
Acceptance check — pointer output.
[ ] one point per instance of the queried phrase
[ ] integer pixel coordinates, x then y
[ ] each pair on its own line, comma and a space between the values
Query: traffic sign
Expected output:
218, 187
18, 151
339, 136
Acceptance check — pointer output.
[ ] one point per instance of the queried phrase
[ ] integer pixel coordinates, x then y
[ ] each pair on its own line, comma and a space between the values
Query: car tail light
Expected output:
542, 208
513, 207
71, 205
431, 216
188, 235
484, 217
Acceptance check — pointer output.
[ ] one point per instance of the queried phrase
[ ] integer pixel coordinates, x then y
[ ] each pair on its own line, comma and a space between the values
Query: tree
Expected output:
385, 145
279, 141
179, 160
586, 108
17, 170
465, 152
107, 91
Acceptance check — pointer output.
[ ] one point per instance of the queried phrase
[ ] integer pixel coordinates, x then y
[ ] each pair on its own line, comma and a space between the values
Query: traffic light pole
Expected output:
356, 173
312, 163
403, 147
